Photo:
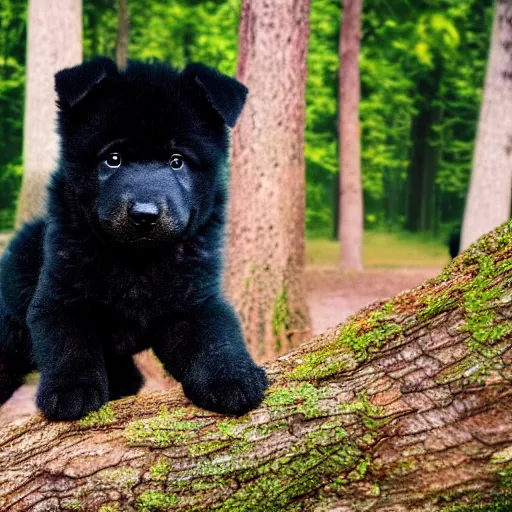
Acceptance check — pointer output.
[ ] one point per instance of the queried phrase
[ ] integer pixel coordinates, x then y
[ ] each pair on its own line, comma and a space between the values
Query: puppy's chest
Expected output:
144, 289
133, 292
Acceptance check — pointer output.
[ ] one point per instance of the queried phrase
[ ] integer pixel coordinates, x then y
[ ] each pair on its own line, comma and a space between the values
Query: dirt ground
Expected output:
332, 298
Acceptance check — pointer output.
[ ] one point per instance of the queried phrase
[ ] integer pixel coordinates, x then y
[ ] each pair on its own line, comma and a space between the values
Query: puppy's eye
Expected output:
113, 160
176, 162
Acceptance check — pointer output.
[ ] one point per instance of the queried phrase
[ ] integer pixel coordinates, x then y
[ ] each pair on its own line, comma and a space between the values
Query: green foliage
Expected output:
12, 85
415, 56
175, 32
420, 61
321, 150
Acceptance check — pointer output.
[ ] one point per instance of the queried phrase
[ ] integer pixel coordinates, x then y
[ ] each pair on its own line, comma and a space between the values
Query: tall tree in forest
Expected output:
351, 220
54, 41
122, 34
490, 190
266, 219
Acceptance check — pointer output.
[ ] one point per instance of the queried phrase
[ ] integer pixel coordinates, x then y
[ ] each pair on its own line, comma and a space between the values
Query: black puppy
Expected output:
129, 254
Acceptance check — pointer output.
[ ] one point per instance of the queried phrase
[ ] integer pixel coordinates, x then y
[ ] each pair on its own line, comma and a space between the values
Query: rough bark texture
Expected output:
122, 34
490, 190
407, 407
266, 230
54, 42
351, 191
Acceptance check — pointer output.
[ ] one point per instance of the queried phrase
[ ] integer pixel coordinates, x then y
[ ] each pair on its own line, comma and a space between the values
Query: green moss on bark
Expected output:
303, 398
331, 441
439, 304
165, 429
490, 259
155, 501
488, 290
280, 317
206, 447
160, 470
353, 344
125, 477
499, 499
103, 416
70, 504
109, 507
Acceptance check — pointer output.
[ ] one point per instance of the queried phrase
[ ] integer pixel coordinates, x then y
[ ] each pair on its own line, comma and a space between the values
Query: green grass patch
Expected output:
384, 250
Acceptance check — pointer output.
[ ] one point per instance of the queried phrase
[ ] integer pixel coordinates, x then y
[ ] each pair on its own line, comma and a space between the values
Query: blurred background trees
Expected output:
351, 208
54, 42
123, 35
422, 72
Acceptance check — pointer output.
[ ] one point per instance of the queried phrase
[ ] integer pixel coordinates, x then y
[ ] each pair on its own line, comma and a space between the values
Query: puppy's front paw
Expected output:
65, 403
234, 388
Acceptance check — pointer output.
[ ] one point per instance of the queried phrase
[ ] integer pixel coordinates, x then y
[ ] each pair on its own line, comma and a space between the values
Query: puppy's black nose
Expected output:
144, 214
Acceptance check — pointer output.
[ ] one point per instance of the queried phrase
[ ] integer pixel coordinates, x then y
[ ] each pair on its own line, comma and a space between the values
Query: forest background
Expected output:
422, 74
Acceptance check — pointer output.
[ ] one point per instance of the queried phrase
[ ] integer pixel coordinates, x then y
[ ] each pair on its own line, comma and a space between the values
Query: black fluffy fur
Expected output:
85, 288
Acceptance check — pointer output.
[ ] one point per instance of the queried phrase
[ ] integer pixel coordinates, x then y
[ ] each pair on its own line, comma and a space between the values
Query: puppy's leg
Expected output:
207, 354
15, 360
124, 378
67, 350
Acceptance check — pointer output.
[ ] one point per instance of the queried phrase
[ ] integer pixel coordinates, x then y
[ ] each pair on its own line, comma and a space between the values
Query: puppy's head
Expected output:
144, 150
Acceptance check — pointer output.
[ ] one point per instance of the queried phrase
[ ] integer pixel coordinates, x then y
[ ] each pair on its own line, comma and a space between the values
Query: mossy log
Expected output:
407, 407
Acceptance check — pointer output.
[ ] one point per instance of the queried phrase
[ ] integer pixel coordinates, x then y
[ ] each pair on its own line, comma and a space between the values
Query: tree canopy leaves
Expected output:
422, 71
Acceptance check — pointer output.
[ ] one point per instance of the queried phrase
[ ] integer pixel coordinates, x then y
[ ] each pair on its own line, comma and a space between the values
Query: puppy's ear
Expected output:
225, 94
73, 84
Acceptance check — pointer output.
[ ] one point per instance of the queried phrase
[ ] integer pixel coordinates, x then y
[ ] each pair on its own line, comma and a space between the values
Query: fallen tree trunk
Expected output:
407, 407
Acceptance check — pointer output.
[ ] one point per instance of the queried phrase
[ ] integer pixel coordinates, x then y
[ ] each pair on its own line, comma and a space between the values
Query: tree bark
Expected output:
351, 222
490, 190
155, 376
54, 42
406, 408
266, 250
122, 35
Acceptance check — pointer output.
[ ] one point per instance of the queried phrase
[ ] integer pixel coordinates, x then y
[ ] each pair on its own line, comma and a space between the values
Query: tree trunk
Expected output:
419, 127
266, 250
408, 407
351, 222
122, 35
424, 157
336, 207
490, 189
54, 41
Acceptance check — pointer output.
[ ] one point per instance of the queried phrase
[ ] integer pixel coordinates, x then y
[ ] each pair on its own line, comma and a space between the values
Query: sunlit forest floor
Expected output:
393, 263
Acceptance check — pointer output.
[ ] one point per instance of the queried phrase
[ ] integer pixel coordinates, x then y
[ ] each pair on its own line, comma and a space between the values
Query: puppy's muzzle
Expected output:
144, 215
